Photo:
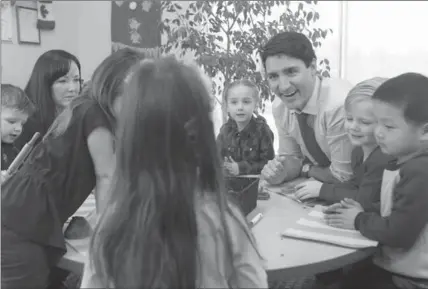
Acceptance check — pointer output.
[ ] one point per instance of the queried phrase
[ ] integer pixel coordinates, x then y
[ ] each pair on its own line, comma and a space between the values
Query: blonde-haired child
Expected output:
245, 141
367, 159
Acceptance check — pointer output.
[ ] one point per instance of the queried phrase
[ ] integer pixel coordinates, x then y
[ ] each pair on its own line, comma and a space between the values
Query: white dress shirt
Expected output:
327, 117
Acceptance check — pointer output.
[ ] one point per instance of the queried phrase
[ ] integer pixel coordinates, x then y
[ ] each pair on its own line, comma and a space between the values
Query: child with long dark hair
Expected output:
168, 223
76, 155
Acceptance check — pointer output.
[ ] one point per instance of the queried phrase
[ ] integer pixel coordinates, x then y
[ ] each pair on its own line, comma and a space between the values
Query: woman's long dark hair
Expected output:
104, 87
166, 157
49, 67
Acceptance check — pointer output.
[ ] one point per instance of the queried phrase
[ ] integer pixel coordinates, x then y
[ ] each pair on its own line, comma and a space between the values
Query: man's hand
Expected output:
308, 190
274, 172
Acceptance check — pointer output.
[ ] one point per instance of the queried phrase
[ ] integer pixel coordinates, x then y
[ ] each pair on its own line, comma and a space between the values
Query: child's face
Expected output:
360, 123
12, 121
394, 134
241, 103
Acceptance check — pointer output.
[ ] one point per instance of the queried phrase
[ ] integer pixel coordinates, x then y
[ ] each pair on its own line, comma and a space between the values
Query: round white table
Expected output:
292, 258
285, 258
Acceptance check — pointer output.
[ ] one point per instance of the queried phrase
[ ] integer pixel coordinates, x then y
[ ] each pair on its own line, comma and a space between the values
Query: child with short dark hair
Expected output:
401, 228
16, 107
245, 141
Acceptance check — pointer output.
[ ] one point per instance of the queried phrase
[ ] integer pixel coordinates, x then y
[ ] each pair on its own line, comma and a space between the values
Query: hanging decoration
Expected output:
136, 24
45, 14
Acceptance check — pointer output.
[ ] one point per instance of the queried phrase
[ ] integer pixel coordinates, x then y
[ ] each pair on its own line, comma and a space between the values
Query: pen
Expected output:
290, 197
256, 219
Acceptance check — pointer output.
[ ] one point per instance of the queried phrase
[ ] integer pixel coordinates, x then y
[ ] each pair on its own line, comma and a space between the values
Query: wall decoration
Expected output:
45, 16
26, 19
6, 21
136, 24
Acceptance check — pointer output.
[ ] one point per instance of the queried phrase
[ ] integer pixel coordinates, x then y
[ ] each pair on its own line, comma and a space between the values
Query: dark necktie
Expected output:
310, 141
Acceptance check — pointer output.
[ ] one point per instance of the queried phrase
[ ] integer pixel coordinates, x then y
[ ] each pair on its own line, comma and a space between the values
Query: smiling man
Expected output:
309, 115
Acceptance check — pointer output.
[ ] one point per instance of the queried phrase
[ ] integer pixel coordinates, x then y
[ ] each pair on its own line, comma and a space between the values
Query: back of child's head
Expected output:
166, 155
13, 97
105, 86
409, 92
166, 111
364, 90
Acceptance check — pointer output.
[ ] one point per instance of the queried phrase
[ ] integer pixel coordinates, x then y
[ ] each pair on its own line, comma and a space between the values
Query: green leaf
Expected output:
324, 33
309, 17
325, 74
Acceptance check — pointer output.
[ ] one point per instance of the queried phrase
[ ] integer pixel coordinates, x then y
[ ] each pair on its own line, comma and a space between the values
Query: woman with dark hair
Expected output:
54, 82
75, 155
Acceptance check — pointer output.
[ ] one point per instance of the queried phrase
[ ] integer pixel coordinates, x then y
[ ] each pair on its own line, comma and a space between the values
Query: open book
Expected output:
313, 227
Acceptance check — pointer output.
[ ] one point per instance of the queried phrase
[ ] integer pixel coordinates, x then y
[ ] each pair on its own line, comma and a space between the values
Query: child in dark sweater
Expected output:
401, 227
245, 141
15, 110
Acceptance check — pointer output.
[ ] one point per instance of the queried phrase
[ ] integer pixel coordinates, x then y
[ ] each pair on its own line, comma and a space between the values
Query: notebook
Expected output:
313, 227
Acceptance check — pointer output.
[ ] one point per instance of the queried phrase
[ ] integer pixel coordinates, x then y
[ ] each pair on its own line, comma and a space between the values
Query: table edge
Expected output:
285, 274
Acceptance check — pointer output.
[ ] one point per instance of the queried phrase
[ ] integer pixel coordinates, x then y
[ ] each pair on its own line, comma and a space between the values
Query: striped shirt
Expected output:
327, 117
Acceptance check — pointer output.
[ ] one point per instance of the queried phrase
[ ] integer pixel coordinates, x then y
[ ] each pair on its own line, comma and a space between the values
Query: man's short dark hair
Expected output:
408, 91
289, 43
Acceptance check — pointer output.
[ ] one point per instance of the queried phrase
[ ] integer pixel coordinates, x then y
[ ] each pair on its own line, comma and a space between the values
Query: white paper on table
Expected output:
319, 237
314, 228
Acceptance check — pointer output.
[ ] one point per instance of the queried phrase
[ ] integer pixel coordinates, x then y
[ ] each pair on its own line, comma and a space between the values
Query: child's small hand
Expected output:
332, 209
350, 203
344, 216
231, 166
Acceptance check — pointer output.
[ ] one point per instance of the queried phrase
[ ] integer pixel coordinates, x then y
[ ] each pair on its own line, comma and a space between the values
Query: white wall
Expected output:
386, 39
82, 28
94, 38
17, 60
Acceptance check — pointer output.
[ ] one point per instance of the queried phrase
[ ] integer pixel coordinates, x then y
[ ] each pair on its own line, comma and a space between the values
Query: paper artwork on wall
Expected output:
6, 21
45, 16
136, 24
26, 22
